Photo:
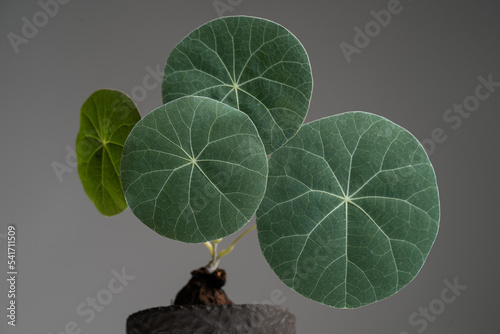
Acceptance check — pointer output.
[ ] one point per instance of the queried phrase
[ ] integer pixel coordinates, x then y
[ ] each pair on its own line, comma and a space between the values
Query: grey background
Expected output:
427, 59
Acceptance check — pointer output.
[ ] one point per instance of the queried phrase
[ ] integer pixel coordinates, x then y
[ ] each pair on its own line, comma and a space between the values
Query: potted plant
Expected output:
347, 206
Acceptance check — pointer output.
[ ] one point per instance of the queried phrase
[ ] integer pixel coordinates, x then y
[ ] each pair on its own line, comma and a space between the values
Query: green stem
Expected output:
212, 247
216, 256
231, 247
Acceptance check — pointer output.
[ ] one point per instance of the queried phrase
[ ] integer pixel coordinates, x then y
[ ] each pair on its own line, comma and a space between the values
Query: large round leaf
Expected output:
252, 64
106, 119
194, 170
351, 210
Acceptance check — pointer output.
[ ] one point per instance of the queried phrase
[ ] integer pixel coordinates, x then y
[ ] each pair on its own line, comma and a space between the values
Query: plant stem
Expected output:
231, 247
216, 256
210, 248
214, 263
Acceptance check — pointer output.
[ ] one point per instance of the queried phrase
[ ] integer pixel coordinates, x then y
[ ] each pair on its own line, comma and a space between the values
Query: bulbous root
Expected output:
204, 288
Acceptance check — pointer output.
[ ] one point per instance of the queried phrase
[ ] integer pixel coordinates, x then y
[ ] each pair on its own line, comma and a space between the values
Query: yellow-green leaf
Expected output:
106, 119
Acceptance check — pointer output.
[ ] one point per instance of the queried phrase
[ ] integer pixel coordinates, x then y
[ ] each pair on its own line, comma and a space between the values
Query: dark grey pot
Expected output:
212, 319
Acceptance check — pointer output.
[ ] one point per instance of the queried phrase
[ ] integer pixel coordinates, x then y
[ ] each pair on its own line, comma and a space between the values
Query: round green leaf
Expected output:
194, 170
251, 64
351, 210
106, 119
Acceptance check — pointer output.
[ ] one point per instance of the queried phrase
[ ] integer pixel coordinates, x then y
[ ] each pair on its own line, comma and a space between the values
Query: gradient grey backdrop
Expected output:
427, 59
